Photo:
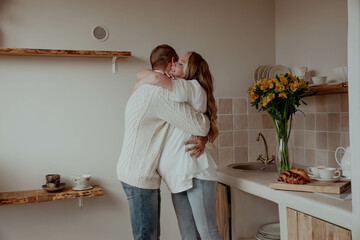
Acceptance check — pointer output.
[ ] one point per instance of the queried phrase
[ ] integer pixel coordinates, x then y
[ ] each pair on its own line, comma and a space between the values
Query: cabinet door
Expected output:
223, 210
305, 227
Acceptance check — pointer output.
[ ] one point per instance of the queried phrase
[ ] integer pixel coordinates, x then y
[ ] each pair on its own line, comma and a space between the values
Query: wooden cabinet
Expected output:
223, 210
305, 227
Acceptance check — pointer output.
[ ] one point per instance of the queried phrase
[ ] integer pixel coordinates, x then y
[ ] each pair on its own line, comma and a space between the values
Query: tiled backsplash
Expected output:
314, 137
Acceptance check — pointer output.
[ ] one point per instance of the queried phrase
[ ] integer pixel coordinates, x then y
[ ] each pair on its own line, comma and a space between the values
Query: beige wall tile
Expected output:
214, 154
334, 103
226, 139
225, 122
321, 122
225, 106
270, 136
240, 105
310, 157
299, 139
334, 122
321, 140
344, 122
240, 122
310, 139
251, 109
226, 156
333, 141
255, 121
267, 122
298, 122
344, 102
254, 152
310, 122
331, 160
299, 156
253, 134
321, 103
240, 138
311, 105
321, 158
344, 139
241, 154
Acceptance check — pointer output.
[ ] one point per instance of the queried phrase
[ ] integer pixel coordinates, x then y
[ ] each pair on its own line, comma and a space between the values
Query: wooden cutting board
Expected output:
314, 186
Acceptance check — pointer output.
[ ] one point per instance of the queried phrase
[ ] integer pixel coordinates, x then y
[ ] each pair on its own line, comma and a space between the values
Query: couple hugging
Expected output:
171, 106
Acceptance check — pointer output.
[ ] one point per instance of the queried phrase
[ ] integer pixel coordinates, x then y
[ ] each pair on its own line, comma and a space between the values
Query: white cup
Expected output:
329, 173
315, 170
81, 181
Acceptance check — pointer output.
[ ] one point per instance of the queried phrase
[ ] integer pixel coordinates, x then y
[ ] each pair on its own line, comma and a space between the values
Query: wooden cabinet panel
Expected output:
305, 227
292, 224
223, 210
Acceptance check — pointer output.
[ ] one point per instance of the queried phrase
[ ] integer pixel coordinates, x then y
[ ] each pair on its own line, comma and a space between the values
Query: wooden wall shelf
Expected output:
63, 53
66, 53
329, 89
33, 196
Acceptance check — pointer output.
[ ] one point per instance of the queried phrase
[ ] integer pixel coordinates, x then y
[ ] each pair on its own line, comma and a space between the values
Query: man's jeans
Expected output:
196, 211
144, 205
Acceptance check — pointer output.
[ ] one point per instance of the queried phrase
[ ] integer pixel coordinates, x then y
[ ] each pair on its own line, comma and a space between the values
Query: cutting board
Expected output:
314, 186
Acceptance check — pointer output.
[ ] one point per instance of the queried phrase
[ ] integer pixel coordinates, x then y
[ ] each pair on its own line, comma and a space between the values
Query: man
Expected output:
148, 115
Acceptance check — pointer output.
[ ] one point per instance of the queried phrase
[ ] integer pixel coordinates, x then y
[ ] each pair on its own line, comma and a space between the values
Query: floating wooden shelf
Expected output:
329, 89
62, 53
33, 196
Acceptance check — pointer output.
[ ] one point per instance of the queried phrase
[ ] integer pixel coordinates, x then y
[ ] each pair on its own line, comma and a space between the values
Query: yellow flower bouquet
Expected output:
280, 97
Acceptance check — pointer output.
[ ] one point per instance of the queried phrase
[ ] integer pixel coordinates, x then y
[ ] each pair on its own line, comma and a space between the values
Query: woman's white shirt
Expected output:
177, 168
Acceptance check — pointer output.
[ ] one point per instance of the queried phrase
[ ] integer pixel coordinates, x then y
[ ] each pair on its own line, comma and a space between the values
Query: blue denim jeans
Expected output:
144, 205
196, 211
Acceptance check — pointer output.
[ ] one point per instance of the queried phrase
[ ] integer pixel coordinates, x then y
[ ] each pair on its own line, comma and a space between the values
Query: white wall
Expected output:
354, 88
312, 34
65, 115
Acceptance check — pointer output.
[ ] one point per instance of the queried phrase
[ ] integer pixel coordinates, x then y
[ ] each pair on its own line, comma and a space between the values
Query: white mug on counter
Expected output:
314, 170
329, 173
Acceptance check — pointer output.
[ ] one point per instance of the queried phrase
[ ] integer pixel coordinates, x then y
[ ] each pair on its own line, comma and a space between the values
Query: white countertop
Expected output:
257, 183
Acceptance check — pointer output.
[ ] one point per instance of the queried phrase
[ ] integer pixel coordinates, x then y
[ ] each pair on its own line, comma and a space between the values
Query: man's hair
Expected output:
161, 56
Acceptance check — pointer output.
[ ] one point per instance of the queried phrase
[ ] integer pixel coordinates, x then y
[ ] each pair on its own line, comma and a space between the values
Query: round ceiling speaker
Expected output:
100, 33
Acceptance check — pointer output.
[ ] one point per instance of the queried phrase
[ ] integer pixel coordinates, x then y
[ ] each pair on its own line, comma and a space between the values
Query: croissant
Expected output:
291, 177
301, 172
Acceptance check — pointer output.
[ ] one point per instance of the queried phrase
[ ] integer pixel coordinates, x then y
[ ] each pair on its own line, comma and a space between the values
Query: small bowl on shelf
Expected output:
319, 80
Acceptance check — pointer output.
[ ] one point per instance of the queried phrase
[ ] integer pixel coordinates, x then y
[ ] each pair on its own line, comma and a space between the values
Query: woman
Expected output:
192, 181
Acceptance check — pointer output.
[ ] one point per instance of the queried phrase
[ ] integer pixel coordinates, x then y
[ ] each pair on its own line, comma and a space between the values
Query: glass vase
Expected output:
284, 151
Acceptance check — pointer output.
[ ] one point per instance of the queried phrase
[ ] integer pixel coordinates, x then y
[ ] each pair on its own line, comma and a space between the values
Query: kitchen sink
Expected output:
260, 167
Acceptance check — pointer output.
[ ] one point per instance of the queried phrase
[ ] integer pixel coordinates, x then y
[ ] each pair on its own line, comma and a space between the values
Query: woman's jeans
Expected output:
196, 211
144, 205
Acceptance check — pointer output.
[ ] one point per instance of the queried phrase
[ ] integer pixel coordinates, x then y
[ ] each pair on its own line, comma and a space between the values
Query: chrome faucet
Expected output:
266, 160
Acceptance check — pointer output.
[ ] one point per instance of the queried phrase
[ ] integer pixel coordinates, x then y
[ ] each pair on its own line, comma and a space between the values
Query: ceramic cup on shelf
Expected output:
52, 180
314, 171
81, 182
329, 173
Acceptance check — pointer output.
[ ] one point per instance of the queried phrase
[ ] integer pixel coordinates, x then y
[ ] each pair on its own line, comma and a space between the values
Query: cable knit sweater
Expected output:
148, 113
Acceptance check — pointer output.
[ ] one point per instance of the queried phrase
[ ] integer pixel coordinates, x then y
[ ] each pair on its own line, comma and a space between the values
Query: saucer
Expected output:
59, 188
325, 179
312, 176
79, 189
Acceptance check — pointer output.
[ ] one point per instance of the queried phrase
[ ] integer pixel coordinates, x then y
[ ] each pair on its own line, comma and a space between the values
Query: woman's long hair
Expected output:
197, 68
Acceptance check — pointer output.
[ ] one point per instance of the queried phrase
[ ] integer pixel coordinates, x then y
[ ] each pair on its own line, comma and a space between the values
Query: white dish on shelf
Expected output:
277, 70
315, 85
272, 229
79, 189
256, 73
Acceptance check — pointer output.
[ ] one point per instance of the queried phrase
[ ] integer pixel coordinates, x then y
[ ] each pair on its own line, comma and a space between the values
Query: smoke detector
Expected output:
100, 33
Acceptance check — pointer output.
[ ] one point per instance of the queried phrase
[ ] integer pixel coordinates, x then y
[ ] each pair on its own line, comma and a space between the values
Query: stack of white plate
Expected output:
270, 71
269, 232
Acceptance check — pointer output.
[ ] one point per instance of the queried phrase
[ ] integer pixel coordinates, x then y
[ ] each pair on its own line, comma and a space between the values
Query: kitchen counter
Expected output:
332, 210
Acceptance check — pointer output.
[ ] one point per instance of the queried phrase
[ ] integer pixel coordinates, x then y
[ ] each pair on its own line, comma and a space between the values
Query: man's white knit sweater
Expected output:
148, 114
